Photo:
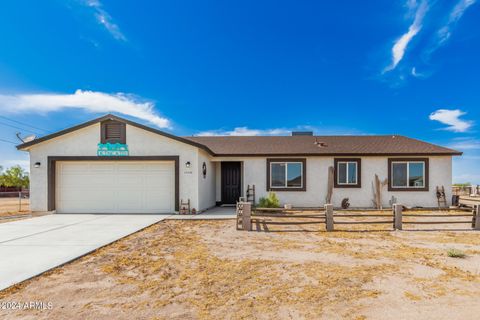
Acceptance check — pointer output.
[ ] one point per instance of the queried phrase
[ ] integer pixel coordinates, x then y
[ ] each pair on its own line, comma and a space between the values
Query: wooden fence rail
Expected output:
319, 218
245, 217
465, 190
476, 218
475, 215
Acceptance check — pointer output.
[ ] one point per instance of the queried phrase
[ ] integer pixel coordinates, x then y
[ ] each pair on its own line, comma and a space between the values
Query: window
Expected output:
113, 132
286, 174
408, 174
347, 173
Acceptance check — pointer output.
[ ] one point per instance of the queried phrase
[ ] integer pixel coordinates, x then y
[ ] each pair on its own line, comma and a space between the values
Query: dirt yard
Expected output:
10, 206
208, 270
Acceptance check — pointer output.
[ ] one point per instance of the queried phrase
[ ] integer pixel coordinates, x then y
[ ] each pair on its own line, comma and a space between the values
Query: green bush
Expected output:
269, 202
455, 253
14, 176
465, 184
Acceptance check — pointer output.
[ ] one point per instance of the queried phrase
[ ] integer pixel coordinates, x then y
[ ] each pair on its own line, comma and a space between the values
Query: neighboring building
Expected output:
145, 170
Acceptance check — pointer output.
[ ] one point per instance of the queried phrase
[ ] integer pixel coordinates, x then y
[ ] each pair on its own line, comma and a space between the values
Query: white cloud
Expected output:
411, 5
401, 44
465, 144
244, 131
445, 32
91, 101
105, 19
416, 74
452, 119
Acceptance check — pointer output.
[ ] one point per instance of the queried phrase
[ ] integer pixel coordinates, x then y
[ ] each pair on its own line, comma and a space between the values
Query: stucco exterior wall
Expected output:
83, 142
317, 172
71, 144
207, 184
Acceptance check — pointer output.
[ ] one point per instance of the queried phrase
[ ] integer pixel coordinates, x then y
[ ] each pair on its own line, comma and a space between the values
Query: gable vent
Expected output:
113, 132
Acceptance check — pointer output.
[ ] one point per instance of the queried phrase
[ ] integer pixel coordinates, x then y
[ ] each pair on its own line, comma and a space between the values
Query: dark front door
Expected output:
231, 176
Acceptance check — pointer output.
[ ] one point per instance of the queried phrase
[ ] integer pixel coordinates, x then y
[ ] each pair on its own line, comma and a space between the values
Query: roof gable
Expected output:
116, 118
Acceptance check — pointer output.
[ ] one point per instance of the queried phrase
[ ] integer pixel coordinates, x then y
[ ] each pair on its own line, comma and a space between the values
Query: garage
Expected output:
115, 186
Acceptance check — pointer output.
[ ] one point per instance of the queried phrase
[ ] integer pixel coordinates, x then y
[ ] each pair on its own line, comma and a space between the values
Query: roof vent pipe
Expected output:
302, 133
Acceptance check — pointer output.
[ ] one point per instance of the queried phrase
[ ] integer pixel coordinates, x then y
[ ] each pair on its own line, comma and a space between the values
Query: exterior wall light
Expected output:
188, 164
37, 164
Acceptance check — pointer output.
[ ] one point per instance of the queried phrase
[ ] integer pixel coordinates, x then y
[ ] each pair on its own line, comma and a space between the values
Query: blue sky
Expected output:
245, 67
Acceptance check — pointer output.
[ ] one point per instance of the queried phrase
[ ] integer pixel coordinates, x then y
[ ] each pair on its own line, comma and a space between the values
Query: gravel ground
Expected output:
208, 270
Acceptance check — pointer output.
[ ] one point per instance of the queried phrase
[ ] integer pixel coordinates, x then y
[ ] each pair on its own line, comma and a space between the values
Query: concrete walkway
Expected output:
32, 246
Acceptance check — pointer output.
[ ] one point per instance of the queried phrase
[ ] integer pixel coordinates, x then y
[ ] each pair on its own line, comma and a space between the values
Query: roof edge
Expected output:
341, 154
111, 117
453, 151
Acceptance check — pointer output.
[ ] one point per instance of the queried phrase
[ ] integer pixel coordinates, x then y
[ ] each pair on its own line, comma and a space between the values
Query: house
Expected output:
114, 165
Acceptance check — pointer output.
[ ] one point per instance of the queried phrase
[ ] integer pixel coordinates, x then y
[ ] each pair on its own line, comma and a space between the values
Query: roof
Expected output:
283, 145
320, 145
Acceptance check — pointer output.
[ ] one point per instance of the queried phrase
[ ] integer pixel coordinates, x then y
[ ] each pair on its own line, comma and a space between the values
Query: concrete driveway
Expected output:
32, 246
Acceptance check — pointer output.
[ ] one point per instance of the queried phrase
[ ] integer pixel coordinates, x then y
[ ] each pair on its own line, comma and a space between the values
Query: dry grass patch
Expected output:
191, 273
10, 207
412, 296
208, 270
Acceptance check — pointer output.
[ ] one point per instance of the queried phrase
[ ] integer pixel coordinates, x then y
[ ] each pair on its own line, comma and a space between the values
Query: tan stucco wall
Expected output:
83, 142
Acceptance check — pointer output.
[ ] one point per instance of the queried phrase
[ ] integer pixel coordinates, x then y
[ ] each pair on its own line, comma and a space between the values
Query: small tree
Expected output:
464, 184
15, 177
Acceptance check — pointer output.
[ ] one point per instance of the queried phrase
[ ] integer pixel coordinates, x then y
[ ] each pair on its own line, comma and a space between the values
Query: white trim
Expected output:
286, 174
347, 174
408, 175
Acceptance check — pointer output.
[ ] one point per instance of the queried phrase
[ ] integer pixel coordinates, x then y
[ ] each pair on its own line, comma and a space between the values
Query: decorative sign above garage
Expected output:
112, 150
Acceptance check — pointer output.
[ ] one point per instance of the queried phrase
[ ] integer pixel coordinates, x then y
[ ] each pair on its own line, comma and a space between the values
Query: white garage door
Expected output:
115, 187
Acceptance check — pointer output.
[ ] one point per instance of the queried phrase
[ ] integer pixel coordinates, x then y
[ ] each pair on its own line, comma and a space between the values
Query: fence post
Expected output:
397, 216
329, 224
247, 216
19, 201
477, 218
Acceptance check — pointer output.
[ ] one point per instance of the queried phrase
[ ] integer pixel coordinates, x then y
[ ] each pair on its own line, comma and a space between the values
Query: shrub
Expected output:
269, 202
455, 253
465, 184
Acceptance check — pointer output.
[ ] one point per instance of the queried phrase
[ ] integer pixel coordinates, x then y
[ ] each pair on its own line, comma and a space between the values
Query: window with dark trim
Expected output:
113, 132
286, 174
408, 174
347, 172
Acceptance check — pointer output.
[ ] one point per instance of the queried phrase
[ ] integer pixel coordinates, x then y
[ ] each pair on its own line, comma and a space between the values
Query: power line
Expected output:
3, 140
15, 127
25, 124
